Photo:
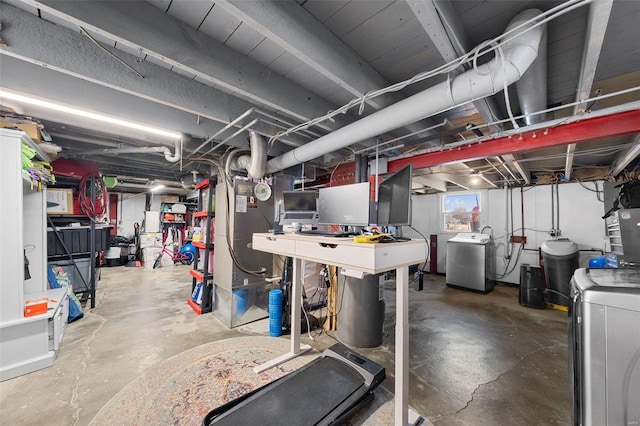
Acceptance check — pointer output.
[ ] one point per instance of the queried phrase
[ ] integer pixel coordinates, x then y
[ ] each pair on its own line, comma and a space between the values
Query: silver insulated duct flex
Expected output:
256, 163
482, 81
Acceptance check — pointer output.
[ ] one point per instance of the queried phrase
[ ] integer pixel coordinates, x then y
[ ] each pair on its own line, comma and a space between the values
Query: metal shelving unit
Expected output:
202, 271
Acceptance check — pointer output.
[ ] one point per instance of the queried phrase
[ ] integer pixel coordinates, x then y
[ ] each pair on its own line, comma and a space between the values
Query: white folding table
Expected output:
369, 258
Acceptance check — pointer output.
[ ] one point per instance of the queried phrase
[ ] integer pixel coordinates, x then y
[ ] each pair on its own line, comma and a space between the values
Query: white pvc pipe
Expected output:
141, 150
474, 84
176, 155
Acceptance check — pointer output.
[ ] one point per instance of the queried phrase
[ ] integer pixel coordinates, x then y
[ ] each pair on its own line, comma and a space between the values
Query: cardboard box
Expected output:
170, 198
151, 239
35, 307
149, 255
59, 201
31, 129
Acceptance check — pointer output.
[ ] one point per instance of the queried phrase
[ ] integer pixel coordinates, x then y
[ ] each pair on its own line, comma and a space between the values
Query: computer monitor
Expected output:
299, 201
299, 207
344, 205
394, 199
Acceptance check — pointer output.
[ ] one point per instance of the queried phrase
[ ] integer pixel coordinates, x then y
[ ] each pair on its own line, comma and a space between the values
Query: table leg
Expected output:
296, 349
296, 292
402, 347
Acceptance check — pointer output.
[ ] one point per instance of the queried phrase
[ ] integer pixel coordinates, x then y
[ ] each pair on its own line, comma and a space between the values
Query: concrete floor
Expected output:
474, 359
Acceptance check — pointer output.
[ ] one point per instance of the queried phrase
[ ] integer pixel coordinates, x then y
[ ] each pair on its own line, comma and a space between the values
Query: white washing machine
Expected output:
604, 347
470, 262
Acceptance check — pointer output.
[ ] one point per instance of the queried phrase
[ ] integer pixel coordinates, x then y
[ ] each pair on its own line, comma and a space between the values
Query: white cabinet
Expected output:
26, 343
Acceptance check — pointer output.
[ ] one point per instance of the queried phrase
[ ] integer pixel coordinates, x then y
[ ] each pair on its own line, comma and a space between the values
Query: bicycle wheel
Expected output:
187, 258
157, 262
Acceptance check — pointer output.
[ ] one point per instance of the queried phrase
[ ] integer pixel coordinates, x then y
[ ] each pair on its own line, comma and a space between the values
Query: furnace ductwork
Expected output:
256, 163
482, 81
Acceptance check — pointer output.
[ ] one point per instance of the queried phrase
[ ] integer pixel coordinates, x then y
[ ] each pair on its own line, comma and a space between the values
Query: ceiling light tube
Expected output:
4, 94
157, 188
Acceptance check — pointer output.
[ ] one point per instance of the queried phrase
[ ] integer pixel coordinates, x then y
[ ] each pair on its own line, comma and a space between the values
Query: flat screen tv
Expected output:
394, 199
346, 205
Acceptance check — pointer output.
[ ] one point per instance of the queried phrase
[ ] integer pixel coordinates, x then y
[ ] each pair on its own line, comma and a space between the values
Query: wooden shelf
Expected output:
28, 343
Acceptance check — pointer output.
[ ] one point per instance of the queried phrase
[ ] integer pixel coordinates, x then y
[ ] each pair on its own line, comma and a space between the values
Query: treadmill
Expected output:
327, 391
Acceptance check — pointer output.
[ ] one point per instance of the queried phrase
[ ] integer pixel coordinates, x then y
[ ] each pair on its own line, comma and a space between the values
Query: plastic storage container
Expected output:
77, 240
561, 259
84, 267
531, 291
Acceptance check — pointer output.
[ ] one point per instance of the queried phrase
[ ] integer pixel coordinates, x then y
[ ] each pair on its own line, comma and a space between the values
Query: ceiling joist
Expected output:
142, 26
626, 157
440, 23
599, 12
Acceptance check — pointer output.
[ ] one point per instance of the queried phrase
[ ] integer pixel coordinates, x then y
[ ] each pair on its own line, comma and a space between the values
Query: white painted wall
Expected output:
130, 211
580, 221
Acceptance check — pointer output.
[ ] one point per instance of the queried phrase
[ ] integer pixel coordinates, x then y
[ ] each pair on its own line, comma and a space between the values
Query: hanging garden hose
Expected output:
97, 207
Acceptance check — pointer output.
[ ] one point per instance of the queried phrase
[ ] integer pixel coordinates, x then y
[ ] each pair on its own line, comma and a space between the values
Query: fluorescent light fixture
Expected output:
475, 180
156, 188
4, 94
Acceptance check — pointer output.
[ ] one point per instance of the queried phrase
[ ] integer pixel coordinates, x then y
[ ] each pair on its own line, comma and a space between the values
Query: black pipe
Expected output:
361, 168
92, 242
593, 250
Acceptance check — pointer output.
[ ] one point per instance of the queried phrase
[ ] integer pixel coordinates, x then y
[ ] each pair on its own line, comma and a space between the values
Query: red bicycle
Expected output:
184, 255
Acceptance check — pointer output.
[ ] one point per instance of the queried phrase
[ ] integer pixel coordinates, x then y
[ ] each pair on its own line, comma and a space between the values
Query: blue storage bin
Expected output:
598, 262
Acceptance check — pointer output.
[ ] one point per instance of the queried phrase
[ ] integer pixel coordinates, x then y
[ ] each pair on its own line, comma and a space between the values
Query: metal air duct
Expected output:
255, 164
532, 87
485, 80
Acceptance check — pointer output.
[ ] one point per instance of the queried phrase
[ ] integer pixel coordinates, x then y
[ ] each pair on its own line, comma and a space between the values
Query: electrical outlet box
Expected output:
351, 273
518, 239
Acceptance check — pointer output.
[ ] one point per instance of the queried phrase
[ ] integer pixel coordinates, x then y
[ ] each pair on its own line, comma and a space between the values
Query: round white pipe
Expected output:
140, 150
176, 156
258, 155
474, 84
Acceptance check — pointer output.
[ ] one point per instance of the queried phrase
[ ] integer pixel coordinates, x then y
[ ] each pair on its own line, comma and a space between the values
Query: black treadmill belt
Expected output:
304, 397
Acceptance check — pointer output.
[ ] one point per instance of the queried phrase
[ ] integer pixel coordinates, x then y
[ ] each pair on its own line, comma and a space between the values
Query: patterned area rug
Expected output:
184, 388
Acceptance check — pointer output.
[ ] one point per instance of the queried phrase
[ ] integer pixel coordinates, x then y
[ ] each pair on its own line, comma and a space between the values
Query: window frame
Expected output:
444, 213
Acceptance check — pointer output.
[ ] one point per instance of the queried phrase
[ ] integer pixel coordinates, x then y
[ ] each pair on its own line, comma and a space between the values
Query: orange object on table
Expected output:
36, 306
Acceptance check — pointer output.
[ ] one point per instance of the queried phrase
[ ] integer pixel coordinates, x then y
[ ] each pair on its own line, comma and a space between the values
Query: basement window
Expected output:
461, 212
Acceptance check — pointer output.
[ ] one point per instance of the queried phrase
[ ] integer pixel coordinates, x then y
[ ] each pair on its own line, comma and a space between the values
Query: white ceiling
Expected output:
195, 65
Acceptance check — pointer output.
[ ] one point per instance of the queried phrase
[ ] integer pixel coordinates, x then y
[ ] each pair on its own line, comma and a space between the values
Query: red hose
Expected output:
98, 208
